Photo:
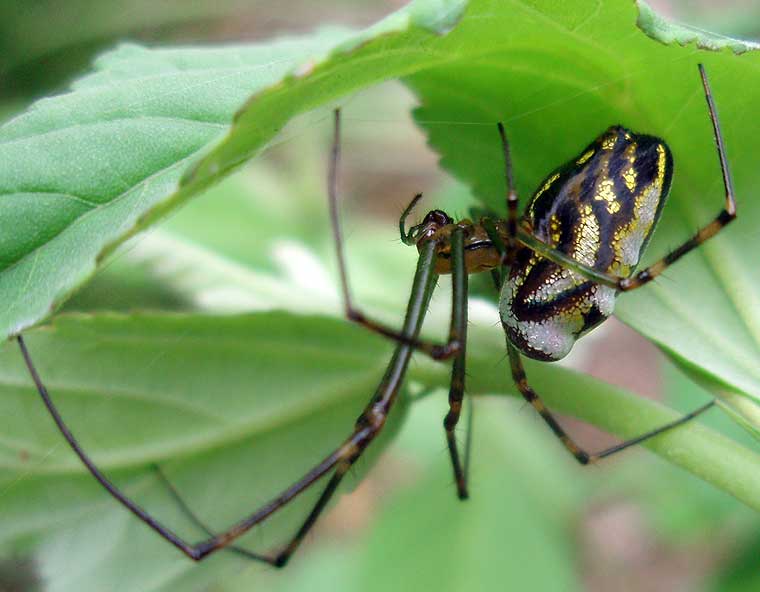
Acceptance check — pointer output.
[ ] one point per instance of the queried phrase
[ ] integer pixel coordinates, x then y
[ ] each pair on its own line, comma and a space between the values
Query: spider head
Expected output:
431, 223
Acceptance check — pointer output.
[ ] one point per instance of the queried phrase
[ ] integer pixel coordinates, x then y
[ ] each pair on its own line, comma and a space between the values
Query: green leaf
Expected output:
79, 172
660, 29
82, 172
234, 409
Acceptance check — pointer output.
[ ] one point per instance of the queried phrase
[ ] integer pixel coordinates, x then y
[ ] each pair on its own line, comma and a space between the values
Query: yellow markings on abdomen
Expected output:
629, 176
660, 165
555, 230
628, 239
609, 142
585, 157
605, 191
546, 185
587, 238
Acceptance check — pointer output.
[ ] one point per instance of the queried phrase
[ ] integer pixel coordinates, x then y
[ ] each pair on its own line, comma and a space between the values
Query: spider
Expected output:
559, 268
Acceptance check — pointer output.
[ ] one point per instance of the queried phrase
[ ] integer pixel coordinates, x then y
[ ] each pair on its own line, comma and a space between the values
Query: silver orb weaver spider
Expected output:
559, 269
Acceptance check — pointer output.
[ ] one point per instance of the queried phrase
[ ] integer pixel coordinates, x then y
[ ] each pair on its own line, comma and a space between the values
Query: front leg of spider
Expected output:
437, 351
458, 332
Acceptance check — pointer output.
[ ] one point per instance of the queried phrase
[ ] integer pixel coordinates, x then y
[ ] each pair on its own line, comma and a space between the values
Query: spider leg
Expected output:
367, 427
624, 284
583, 457
458, 332
187, 511
726, 215
437, 351
91, 467
341, 469
498, 275
275, 559
512, 199
373, 418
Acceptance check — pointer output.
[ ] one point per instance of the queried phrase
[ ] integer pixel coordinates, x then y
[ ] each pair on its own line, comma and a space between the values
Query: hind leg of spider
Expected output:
583, 457
437, 351
286, 553
458, 332
373, 418
512, 199
726, 215
193, 517
369, 425
277, 559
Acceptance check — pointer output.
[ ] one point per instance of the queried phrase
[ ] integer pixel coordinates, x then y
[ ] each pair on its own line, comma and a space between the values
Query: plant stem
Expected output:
700, 450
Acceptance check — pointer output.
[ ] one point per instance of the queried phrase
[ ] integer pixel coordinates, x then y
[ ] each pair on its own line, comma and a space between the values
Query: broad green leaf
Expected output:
80, 171
233, 409
83, 171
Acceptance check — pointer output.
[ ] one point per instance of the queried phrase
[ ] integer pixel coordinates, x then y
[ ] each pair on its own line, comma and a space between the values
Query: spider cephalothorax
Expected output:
479, 251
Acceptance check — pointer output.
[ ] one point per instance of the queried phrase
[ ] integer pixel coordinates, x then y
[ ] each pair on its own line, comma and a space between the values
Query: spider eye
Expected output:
437, 217
430, 224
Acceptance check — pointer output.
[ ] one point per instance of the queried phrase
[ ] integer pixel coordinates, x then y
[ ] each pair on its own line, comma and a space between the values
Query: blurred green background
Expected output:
631, 524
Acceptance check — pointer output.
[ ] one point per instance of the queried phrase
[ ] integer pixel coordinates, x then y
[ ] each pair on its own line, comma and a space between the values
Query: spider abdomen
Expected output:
545, 307
600, 209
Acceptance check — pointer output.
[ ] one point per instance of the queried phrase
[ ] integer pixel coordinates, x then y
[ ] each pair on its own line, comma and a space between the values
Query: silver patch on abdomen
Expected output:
552, 337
